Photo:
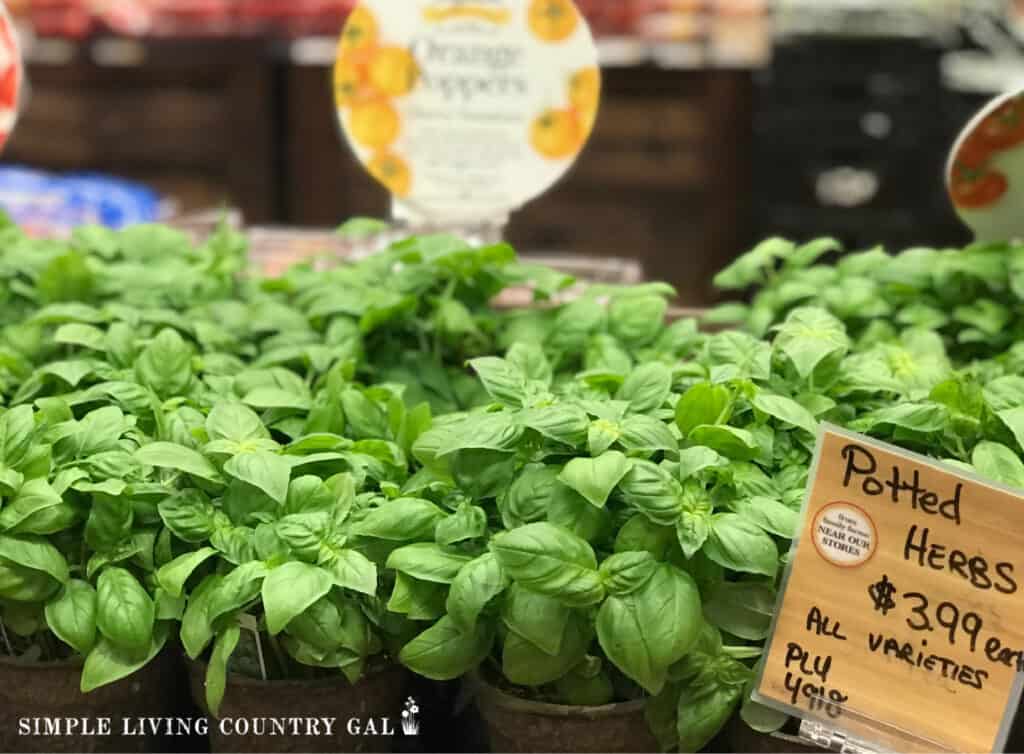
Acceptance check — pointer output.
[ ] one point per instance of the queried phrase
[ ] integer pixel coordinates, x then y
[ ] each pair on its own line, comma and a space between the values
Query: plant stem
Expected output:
7, 642
282, 661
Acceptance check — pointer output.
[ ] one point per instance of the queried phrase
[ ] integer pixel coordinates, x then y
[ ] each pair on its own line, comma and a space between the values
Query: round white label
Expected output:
844, 535
466, 110
985, 172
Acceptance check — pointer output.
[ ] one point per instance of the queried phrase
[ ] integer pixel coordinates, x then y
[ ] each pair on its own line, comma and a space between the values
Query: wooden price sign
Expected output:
901, 620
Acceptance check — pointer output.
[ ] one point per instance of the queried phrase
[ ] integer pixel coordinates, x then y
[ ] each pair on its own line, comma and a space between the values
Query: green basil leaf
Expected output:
647, 630
562, 423
786, 410
992, 460
107, 663
647, 387
769, 514
35, 554
124, 610
236, 590
417, 600
692, 531
468, 522
646, 434
529, 496
731, 442
475, 585
365, 419
570, 510
271, 397
72, 616
550, 560
601, 435
217, 669
637, 320
498, 431
808, 337
595, 478
165, 365
639, 533
428, 562
704, 403
17, 428
693, 461
402, 520
167, 455
625, 572
189, 515
266, 471
235, 423
703, 711
504, 381
352, 570
444, 652
526, 664
531, 361
743, 609
539, 619
740, 545
651, 490
37, 508
289, 589
172, 576
196, 630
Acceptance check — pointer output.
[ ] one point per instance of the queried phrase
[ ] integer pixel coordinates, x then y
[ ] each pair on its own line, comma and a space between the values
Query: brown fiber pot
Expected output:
51, 690
520, 725
378, 695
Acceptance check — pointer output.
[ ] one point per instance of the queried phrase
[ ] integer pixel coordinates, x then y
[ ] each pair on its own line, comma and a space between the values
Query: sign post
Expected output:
465, 110
901, 622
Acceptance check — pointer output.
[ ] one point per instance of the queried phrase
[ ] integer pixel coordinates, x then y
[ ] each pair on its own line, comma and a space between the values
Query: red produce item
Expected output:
61, 18
193, 17
128, 17
11, 77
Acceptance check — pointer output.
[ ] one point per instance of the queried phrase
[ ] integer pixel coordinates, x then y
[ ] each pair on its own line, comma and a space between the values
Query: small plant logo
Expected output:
410, 718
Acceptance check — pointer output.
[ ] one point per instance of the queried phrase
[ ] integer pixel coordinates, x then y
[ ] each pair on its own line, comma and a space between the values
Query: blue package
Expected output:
50, 204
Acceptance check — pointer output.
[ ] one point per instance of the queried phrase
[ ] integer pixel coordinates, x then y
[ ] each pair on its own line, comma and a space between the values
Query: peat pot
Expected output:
51, 691
520, 725
379, 694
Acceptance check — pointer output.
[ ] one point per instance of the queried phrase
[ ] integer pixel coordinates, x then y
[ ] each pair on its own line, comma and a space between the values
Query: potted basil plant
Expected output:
284, 616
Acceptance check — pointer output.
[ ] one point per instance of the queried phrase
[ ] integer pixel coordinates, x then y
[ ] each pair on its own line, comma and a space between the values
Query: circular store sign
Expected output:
845, 535
985, 173
466, 110
12, 76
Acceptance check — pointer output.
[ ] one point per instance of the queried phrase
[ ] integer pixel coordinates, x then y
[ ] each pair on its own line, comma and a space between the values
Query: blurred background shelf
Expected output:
722, 122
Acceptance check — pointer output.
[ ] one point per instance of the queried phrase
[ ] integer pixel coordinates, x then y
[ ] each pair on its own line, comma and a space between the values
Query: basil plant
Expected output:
610, 536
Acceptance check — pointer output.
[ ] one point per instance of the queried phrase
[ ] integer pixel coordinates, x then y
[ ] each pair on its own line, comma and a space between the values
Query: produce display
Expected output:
332, 471
77, 19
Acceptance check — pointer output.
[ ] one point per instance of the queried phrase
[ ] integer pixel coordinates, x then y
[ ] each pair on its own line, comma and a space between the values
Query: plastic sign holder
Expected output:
465, 110
899, 625
12, 76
